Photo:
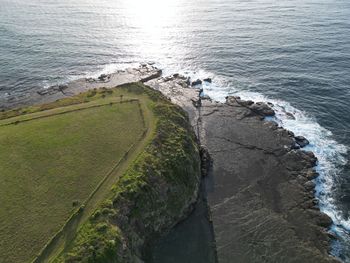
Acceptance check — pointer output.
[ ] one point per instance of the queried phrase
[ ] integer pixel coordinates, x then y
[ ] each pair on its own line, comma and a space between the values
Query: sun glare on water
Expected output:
152, 11
152, 19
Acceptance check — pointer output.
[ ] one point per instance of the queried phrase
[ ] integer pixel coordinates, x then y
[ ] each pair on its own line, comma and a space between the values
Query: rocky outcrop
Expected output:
259, 108
259, 189
144, 73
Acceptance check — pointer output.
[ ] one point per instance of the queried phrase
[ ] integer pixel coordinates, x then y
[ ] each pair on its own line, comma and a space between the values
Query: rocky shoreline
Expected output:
258, 186
143, 73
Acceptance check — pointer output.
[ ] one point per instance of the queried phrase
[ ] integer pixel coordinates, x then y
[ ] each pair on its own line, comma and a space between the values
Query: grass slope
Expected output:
49, 163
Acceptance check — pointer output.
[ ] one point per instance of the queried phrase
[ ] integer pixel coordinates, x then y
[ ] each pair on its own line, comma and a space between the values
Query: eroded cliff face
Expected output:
259, 189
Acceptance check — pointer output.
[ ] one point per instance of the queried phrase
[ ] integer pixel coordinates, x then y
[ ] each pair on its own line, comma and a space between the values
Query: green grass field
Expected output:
51, 162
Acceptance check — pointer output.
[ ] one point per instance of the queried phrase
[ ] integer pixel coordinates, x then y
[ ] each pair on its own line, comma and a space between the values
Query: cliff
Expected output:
156, 192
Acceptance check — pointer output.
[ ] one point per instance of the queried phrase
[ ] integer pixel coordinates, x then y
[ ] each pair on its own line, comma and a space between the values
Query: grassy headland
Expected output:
63, 157
152, 195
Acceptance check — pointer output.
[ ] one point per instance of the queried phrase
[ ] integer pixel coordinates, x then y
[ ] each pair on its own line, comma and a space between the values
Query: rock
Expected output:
206, 160
245, 103
309, 185
169, 78
102, 77
290, 133
262, 109
290, 116
182, 77
231, 100
295, 146
324, 220
331, 235
90, 80
205, 97
155, 73
311, 175
311, 158
302, 141
196, 82
273, 125
207, 80
315, 201
62, 87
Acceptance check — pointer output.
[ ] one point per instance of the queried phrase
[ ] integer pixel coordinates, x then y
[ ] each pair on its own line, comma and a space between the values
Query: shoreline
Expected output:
143, 73
201, 112
214, 123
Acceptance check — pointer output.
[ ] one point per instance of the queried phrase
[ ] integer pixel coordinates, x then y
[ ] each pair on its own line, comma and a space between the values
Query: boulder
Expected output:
262, 108
62, 87
290, 116
311, 175
324, 220
302, 141
295, 146
207, 80
90, 80
311, 158
205, 97
102, 77
196, 82
309, 186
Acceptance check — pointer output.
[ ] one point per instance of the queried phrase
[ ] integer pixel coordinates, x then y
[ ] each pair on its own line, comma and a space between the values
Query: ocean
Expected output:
294, 53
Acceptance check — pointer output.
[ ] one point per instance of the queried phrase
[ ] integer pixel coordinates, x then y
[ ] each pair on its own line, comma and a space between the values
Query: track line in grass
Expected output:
65, 112
62, 239
11, 133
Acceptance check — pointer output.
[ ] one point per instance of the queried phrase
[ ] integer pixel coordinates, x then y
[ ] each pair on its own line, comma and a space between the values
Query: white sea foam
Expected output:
110, 68
330, 154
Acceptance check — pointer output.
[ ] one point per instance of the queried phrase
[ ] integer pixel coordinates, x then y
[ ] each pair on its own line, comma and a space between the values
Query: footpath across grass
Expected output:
52, 158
